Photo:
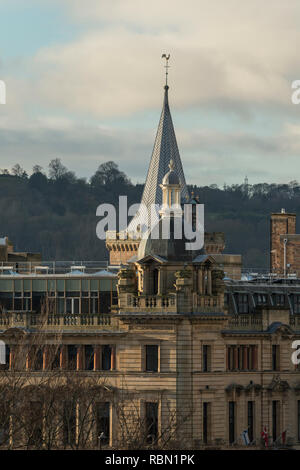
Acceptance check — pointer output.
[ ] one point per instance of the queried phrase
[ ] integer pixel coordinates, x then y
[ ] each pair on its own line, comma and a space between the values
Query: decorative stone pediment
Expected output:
237, 388
278, 385
278, 330
15, 332
252, 387
233, 387
273, 318
152, 259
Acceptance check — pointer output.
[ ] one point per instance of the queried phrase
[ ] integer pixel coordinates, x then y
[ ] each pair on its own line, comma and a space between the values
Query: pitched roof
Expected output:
165, 149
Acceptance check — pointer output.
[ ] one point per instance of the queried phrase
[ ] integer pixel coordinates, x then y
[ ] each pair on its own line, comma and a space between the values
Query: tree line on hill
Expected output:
55, 213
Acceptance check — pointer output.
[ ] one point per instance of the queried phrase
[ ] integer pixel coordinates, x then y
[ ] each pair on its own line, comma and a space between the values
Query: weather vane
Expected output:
167, 57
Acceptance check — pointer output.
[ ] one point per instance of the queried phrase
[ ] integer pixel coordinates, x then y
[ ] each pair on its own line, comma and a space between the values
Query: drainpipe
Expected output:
284, 256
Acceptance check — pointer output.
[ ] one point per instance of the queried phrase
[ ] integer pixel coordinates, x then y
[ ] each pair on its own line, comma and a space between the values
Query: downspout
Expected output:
284, 256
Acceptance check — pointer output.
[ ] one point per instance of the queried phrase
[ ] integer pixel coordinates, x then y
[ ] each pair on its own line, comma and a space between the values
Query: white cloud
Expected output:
235, 57
241, 52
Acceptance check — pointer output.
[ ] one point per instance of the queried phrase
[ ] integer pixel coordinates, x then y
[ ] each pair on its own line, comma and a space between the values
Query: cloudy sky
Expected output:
85, 83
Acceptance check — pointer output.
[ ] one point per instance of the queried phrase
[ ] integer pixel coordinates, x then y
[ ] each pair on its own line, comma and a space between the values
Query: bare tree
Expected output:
44, 406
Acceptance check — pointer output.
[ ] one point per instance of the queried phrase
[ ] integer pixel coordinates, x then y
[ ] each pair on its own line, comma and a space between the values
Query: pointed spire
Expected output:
165, 149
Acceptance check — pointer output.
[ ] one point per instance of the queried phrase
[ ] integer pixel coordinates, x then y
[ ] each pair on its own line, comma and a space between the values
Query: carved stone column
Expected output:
200, 281
159, 287
63, 357
209, 284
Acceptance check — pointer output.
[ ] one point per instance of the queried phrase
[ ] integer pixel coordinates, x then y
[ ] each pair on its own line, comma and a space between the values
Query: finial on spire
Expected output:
171, 165
167, 57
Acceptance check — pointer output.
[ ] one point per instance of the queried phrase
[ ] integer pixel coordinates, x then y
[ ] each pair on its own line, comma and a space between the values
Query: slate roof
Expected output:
165, 149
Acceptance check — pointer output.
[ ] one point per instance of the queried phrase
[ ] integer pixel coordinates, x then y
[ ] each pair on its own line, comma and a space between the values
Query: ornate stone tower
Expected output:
166, 274
165, 163
165, 149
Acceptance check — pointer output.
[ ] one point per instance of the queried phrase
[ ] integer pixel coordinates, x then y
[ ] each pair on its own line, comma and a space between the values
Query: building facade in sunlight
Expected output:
169, 350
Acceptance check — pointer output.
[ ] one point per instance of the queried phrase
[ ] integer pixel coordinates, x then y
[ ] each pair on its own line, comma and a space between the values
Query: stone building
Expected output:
7, 253
176, 354
284, 244
123, 246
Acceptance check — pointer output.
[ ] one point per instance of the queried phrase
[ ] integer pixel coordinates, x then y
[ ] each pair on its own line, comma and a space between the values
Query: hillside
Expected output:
56, 214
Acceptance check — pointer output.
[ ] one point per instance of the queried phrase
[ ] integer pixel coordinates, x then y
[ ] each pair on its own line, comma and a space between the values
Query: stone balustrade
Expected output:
151, 303
57, 321
246, 322
206, 304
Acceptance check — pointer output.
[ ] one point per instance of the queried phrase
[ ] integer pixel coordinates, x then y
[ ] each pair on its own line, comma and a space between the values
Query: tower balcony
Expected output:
247, 322
166, 303
173, 303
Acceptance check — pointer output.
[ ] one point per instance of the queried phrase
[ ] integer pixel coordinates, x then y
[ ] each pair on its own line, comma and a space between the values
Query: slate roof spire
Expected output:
165, 149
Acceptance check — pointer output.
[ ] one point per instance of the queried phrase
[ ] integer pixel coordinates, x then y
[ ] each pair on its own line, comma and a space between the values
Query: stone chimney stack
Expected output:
281, 225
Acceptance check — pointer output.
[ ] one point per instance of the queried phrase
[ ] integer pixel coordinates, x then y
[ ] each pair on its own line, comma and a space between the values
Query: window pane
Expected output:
75, 306
72, 357
251, 420
38, 301
105, 285
102, 423
106, 357
6, 285
39, 285
94, 305
151, 358
69, 423
60, 285
51, 285
18, 304
68, 305
151, 422
94, 284
61, 305
84, 305
27, 285
231, 422
18, 285
72, 285
105, 302
89, 357
6, 301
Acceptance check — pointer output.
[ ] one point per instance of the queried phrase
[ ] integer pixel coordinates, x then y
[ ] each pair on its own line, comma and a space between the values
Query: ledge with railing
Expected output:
57, 321
54, 268
169, 303
207, 304
151, 303
246, 322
